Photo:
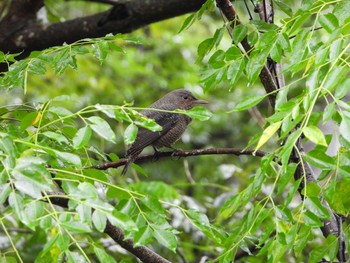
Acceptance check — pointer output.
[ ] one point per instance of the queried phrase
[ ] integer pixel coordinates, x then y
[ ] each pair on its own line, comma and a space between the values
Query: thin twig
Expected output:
181, 153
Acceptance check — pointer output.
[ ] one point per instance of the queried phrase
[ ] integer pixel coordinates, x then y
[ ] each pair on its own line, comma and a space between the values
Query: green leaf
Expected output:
248, 102
154, 205
16, 202
62, 112
75, 226
130, 133
255, 64
143, 236
239, 32
314, 205
233, 53
320, 159
263, 26
158, 189
9, 149
328, 112
196, 16
329, 22
102, 128
267, 134
30, 119
33, 211
122, 220
317, 254
198, 113
286, 177
344, 127
201, 221
31, 176
253, 37
311, 219
284, 7
82, 137
335, 77
103, 256
315, 135
109, 110
276, 53
230, 206
56, 136
188, 22
234, 71
203, 48
147, 123
100, 50
68, 158
332, 246
5, 190
287, 148
166, 238
99, 220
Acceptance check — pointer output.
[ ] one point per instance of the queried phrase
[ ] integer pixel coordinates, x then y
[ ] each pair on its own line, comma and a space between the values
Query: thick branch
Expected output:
117, 234
124, 17
180, 153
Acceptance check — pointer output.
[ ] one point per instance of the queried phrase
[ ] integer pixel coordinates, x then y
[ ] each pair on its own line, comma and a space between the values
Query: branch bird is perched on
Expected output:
173, 124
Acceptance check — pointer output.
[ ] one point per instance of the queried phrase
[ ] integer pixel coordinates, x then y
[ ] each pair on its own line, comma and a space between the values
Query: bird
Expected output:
173, 124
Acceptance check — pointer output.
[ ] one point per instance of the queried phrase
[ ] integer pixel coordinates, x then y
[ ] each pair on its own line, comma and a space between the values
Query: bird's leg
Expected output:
156, 154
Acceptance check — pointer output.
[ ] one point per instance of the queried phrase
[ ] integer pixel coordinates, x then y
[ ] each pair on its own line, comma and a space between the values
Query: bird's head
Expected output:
184, 99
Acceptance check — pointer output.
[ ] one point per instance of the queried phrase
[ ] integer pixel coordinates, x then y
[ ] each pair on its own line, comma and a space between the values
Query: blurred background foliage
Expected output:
156, 61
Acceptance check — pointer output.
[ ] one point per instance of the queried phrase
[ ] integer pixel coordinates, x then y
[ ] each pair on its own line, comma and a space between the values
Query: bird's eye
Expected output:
185, 97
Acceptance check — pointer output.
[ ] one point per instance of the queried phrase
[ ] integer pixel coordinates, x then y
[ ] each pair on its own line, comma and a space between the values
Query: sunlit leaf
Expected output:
130, 133
315, 135
166, 238
82, 137
99, 220
268, 133
102, 128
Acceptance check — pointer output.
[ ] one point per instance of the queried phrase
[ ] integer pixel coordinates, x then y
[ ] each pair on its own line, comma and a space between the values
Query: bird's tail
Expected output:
126, 166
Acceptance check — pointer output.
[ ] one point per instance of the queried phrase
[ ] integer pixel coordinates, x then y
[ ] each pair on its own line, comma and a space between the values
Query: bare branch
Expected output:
180, 153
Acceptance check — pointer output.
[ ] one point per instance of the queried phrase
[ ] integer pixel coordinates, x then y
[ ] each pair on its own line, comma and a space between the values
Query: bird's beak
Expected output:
200, 102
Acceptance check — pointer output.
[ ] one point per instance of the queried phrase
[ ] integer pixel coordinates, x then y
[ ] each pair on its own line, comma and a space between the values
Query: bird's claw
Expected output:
173, 157
155, 155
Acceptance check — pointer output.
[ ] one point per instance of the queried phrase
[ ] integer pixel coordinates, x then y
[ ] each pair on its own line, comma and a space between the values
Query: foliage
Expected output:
48, 143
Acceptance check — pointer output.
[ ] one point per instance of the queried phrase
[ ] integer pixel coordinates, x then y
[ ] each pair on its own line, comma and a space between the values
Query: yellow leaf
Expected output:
267, 134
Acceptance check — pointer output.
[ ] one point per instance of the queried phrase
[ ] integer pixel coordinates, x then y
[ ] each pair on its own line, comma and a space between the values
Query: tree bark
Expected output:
21, 32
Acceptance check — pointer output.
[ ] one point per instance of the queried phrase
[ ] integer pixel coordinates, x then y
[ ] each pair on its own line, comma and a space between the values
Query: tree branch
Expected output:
180, 153
117, 234
330, 226
265, 75
124, 17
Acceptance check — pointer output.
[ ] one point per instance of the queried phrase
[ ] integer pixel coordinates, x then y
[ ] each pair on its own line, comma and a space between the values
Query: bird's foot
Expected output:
155, 155
173, 155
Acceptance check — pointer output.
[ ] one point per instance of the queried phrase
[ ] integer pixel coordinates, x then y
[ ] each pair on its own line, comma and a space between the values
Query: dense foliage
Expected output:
70, 107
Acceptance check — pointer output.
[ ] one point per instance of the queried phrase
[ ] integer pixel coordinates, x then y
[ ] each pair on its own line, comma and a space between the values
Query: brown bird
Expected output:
173, 124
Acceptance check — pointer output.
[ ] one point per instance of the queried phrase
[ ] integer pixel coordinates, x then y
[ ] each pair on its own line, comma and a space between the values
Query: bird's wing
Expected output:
146, 137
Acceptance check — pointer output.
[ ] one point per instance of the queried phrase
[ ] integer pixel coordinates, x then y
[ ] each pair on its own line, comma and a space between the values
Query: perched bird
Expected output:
173, 124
